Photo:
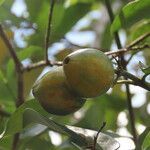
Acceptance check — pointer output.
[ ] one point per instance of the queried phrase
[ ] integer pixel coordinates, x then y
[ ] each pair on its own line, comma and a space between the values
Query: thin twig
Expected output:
10, 48
114, 52
96, 137
4, 113
125, 81
42, 63
20, 85
48, 31
124, 50
123, 64
15, 141
136, 80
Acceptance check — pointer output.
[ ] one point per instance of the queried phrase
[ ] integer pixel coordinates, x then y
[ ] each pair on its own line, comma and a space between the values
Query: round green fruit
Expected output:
54, 95
89, 72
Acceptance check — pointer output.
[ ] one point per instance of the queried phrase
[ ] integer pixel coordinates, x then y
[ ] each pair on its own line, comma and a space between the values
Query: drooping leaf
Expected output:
27, 117
12, 127
130, 14
82, 137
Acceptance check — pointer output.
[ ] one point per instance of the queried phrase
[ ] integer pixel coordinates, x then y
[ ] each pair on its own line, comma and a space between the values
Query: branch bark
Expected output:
4, 113
124, 50
11, 49
123, 64
135, 80
42, 64
19, 71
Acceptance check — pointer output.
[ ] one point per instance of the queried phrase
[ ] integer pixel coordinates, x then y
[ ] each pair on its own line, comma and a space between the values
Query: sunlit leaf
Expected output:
130, 14
138, 30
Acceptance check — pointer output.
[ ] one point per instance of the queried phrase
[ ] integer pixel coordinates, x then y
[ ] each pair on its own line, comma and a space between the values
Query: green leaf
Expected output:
143, 141
36, 143
6, 92
5, 10
81, 137
72, 2
146, 143
144, 68
16, 117
130, 14
138, 30
30, 52
104, 108
64, 18
6, 143
106, 38
1, 2
26, 117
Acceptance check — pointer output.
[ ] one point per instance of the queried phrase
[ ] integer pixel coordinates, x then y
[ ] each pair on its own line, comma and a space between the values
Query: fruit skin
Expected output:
54, 95
89, 72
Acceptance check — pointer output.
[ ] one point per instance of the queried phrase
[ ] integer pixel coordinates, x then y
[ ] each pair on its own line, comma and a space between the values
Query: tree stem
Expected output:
19, 71
123, 64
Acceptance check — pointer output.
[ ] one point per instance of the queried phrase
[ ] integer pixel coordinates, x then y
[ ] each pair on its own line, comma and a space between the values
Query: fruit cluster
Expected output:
85, 73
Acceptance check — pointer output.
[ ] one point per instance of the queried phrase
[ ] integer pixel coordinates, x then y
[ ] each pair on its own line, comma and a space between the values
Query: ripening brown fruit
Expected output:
89, 72
54, 95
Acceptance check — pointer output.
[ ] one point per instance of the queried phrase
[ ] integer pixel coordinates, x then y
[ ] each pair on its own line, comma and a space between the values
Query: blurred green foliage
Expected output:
132, 17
